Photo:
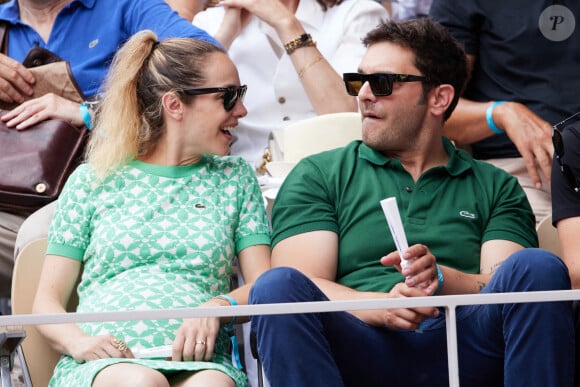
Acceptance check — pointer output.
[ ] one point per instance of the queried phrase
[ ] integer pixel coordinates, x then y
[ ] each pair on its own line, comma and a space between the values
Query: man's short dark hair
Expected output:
438, 56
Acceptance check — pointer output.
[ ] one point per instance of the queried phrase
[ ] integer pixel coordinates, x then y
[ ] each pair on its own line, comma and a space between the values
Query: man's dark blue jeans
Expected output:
525, 344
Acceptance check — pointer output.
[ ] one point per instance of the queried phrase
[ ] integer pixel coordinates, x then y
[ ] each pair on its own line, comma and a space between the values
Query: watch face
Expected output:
304, 37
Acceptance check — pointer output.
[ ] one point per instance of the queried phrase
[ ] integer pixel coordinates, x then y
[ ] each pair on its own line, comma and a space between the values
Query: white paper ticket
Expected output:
393, 216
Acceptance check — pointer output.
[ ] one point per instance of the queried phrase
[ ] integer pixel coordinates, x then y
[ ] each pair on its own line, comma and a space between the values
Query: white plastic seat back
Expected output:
548, 236
320, 133
312, 135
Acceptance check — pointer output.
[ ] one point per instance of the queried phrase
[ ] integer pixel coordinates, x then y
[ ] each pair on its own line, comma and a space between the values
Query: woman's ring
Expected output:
201, 342
120, 344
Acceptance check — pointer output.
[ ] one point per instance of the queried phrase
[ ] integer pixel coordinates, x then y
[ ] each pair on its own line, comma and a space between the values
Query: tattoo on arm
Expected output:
492, 269
495, 266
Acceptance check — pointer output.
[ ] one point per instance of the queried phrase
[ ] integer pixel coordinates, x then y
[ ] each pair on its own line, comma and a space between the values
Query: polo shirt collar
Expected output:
458, 160
10, 11
87, 3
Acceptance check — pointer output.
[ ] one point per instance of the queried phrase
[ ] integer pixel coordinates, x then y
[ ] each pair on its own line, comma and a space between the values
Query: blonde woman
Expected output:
86, 34
154, 219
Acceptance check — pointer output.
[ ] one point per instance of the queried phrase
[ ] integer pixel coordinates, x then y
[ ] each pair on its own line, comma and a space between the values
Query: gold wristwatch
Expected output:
304, 40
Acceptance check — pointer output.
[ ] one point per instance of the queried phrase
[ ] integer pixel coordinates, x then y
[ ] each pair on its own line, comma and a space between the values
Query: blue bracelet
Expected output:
236, 360
229, 299
233, 302
489, 117
86, 115
440, 278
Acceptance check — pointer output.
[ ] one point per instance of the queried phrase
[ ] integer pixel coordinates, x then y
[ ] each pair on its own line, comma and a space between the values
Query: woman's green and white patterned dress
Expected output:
156, 237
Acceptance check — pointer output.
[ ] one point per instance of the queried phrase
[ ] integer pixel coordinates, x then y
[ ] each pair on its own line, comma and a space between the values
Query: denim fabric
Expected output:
527, 344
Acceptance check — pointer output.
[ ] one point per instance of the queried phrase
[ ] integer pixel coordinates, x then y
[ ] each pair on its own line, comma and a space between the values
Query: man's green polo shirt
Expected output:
452, 209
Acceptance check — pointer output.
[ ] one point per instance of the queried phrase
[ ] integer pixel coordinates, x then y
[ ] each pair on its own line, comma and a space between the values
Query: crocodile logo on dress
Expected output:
199, 205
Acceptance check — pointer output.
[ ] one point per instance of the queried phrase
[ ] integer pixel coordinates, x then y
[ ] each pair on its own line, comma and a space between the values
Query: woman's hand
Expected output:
195, 339
39, 109
90, 348
421, 273
272, 12
15, 80
234, 21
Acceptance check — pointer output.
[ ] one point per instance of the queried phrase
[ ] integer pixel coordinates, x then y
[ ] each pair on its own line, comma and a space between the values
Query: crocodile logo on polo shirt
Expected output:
467, 214
93, 43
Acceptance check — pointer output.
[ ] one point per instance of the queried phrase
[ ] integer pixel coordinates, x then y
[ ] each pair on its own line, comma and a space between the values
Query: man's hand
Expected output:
404, 318
531, 135
15, 80
421, 273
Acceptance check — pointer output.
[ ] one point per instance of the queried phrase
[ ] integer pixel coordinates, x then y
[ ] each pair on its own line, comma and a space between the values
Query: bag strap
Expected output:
4, 37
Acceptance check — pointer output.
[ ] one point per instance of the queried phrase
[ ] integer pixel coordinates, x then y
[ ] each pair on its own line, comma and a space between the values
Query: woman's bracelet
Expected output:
232, 302
309, 65
304, 40
236, 360
87, 119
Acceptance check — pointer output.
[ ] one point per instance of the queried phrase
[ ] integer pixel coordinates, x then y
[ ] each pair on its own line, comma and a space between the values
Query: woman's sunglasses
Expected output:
231, 94
559, 152
381, 83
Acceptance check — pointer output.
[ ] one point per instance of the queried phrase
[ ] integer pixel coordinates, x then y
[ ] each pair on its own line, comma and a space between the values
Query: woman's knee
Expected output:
129, 374
202, 378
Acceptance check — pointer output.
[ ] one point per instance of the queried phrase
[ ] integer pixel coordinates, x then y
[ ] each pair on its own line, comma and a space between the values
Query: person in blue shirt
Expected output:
86, 33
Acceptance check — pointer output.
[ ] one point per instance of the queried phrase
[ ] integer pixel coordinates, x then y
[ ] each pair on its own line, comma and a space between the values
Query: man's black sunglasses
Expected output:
231, 94
381, 83
559, 152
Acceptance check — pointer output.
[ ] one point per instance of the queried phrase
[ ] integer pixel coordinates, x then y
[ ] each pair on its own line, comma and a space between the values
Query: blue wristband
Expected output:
439, 278
86, 115
229, 299
236, 360
233, 302
489, 117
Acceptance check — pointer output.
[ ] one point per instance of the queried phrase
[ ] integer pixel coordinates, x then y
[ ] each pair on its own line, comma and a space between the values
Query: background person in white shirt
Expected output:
290, 87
